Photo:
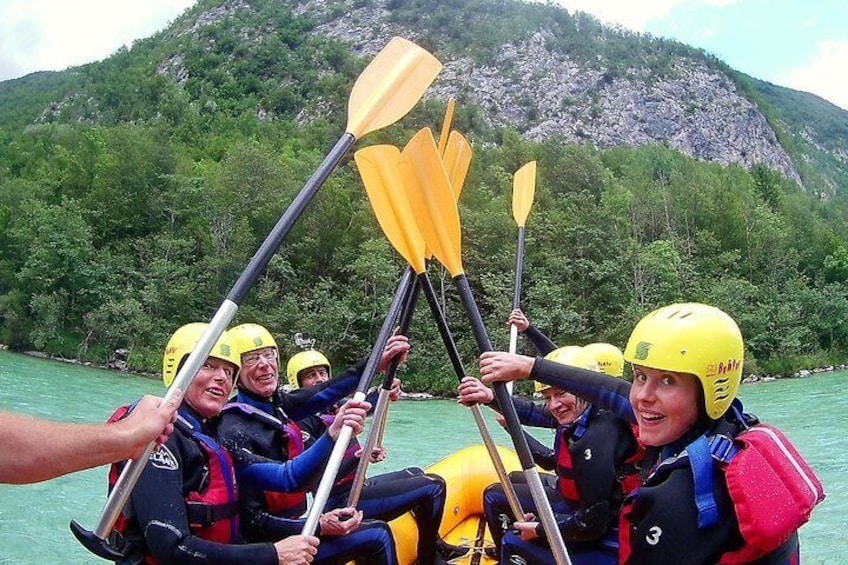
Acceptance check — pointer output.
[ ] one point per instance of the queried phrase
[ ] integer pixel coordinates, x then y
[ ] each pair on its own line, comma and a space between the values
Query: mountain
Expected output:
134, 190
532, 67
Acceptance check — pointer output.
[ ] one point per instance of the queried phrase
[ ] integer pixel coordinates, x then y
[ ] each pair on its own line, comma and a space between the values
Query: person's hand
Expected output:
339, 522
527, 530
394, 392
352, 413
397, 346
519, 320
499, 418
499, 366
296, 550
377, 454
152, 419
472, 391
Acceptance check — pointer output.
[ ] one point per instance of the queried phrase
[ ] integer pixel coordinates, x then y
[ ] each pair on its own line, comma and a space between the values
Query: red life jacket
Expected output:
279, 503
212, 512
350, 453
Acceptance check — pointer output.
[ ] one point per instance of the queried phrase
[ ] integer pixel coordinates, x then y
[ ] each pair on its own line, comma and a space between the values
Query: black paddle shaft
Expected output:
409, 300
274, 239
502, 395
442, 324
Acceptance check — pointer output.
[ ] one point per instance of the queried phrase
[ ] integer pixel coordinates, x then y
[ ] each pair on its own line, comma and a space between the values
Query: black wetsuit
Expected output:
599, 445
660, 517
261, 456
387, 496
158, 509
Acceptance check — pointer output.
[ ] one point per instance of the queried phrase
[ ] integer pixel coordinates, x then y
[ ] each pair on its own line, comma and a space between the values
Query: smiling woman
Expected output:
691, 505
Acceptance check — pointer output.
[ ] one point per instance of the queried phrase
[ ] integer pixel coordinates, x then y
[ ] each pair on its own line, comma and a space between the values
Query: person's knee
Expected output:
492, 494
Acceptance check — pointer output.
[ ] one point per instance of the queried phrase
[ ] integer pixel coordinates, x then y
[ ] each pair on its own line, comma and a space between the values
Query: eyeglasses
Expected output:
253, 358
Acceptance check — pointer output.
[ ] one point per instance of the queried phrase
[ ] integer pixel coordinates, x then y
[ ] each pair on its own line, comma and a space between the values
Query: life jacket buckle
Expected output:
722, 448
200, 514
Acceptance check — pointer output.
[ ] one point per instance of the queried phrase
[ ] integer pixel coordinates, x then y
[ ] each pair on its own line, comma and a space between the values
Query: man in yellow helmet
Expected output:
275, 468
386, 496
708, 483
184, 508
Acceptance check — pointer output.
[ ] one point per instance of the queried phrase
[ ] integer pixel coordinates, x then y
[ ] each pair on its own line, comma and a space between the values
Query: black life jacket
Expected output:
284, 504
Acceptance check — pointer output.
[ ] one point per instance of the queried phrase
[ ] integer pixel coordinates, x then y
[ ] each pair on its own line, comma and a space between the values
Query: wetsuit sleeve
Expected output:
293, 475
159, 506
302, 402
599, 389
543, 455
541, 342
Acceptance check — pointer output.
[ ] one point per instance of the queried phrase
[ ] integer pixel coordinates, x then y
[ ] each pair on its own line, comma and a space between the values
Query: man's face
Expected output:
259, 371
313, 376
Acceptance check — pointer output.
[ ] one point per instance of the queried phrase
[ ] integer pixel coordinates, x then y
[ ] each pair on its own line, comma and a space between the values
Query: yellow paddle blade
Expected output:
523, 189
379, 167
390, 86
432, 199
443, 138
457, 159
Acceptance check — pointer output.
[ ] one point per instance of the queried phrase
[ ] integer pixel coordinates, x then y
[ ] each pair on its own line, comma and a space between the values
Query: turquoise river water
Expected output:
34, 518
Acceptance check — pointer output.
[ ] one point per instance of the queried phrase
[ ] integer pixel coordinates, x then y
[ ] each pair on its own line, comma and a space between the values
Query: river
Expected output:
34, 518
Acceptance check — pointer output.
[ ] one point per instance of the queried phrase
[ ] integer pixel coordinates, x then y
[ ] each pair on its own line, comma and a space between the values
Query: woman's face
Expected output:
211, 388
564, 406
665, 403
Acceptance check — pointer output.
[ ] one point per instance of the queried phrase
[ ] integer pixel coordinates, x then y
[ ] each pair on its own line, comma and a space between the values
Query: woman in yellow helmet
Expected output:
184, 508
695, 501
591, 459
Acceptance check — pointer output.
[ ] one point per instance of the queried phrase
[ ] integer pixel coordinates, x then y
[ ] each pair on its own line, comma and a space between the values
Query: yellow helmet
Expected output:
182, 343
572, 355
609, 358
696, 339
304, 360
249, 337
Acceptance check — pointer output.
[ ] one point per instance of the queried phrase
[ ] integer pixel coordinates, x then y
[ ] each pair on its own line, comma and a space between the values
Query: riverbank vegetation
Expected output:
115, 235
134, 191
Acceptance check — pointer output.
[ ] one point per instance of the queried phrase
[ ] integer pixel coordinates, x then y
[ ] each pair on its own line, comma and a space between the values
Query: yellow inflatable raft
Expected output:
467, 473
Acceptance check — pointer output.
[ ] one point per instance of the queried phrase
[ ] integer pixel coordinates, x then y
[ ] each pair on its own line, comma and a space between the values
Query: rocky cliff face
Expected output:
545, 94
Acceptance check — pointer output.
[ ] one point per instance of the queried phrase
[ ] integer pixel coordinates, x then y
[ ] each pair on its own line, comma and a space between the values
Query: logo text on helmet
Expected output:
642, 350
225, 349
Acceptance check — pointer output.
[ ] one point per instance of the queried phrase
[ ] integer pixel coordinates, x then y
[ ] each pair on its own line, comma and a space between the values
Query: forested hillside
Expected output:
135, 190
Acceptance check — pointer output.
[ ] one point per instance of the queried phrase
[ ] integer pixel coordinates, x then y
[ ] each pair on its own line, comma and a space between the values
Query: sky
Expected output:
800, 44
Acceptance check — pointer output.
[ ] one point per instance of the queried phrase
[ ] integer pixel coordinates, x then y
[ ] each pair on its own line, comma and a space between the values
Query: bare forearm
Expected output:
36, 450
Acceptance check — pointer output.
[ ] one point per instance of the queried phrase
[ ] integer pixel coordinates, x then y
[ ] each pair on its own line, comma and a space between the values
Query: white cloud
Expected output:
40, 35
825, 75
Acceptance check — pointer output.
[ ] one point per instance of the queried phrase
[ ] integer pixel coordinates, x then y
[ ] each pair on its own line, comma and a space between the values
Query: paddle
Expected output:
322, 493
523, 189
378, 422
385, 91
384, 182
438, 220
456, 155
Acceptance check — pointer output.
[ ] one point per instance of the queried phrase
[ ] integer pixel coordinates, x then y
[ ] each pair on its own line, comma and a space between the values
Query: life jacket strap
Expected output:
203, 514
700, 460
